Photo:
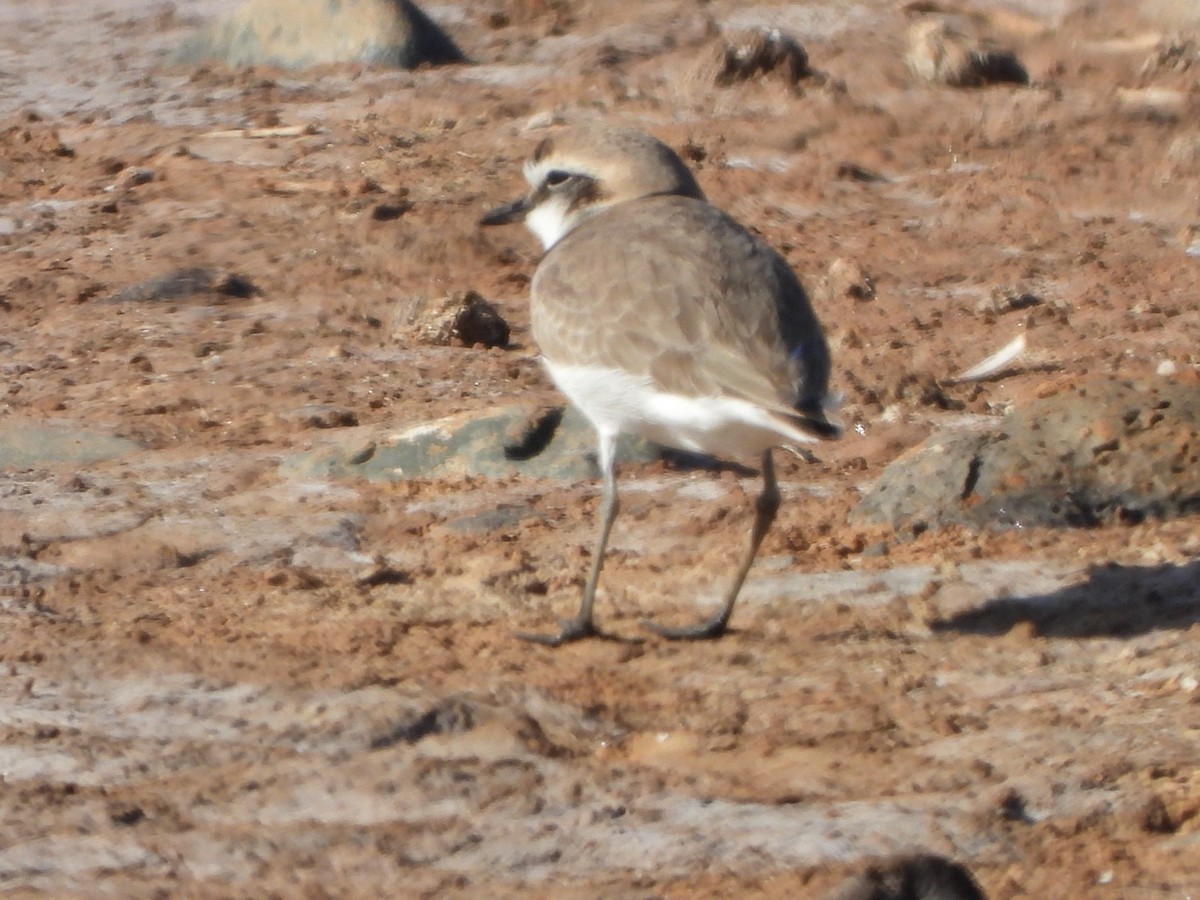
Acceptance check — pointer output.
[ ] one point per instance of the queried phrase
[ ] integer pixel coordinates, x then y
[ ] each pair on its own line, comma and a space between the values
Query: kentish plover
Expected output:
659, 315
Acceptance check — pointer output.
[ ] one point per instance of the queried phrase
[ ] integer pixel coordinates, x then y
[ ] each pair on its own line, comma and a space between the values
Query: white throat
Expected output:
550, 221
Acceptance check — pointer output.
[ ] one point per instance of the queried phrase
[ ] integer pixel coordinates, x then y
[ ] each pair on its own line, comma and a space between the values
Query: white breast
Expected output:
616, 402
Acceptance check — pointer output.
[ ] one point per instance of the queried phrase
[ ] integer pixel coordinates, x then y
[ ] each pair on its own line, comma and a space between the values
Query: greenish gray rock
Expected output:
300, 33
559, 445
1096, 451
24, 445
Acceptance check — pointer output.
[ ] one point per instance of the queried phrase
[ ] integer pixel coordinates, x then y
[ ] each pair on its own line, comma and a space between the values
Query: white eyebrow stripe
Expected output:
535, 172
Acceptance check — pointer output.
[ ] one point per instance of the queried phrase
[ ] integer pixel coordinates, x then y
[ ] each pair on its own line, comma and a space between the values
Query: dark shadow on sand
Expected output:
1115, 601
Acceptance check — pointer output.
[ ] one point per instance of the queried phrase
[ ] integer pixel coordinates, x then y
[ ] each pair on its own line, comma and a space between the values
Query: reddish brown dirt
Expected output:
222, 681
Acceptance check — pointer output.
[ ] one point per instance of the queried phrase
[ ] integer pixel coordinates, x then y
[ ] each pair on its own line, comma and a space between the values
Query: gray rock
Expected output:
507, 442
25, 445
1095, 451
300, 33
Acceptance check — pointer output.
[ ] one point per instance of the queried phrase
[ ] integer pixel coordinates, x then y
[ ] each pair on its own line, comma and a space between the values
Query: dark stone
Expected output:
924, 877
1000, 67
323, 415
480, 323
181, 284
237, 286
851, 171
388, 212
454, 715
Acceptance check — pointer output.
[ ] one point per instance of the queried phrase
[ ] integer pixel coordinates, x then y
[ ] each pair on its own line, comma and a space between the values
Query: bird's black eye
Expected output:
556, 177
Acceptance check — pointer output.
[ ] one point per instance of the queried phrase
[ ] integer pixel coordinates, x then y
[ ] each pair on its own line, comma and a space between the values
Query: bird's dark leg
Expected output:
765, 508
581, 626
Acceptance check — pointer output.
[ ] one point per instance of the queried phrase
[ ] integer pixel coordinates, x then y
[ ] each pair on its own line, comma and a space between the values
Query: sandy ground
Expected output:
222, 680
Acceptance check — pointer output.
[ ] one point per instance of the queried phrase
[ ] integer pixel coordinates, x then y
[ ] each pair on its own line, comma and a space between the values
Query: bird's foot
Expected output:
572, 630
705, 631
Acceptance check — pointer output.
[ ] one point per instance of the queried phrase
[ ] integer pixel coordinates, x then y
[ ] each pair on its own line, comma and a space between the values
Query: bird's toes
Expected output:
705, 631
572, 630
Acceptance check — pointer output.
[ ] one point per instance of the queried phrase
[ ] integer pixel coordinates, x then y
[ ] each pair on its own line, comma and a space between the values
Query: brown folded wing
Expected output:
672, 289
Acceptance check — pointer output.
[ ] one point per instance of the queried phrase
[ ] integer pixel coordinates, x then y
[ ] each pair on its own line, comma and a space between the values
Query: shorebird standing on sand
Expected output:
659, 315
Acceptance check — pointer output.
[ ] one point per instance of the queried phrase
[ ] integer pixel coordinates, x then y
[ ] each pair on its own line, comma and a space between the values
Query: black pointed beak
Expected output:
508, 213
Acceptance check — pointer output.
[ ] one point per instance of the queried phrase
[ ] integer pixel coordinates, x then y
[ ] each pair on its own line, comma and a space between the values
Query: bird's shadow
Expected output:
687, 461
1115, 601
683, 461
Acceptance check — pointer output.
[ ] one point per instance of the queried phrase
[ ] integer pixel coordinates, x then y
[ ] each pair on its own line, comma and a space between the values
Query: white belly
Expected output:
616, 402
